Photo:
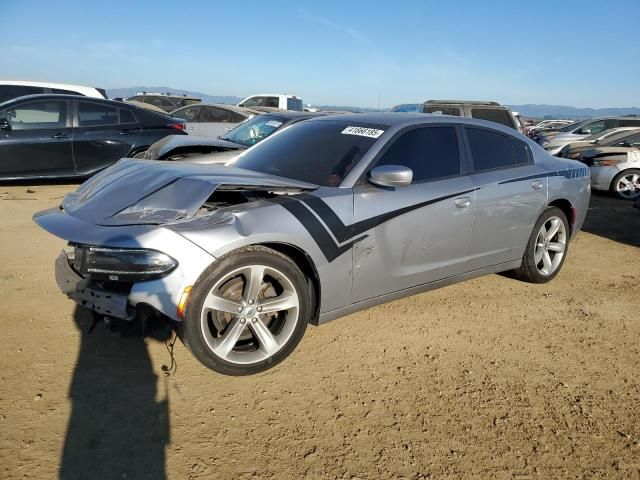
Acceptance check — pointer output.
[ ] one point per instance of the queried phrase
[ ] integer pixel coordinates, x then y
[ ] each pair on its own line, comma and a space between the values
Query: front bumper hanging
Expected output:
90, 295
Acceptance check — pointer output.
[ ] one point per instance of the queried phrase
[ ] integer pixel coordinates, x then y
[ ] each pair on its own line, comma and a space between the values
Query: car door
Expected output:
419, 233
511, 192
103, 133
35, 140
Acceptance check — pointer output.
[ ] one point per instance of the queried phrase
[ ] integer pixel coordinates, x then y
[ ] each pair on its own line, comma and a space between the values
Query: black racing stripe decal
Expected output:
317, 231
341, 231
344, 232
373, 222
295, 204
569, 173
528, 177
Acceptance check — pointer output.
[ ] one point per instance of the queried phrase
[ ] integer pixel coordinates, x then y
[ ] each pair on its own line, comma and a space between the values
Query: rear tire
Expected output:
626, 184
547, 248
247, 312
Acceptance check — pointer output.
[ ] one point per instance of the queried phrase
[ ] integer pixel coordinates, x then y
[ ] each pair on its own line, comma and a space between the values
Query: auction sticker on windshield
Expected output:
363, 132
273, 123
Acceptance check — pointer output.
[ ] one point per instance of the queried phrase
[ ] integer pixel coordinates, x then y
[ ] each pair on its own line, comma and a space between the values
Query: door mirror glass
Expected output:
5, 124
391, 176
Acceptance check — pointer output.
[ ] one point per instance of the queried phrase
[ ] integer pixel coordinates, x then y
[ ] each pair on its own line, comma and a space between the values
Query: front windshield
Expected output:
322, 152
255, 130
573, 126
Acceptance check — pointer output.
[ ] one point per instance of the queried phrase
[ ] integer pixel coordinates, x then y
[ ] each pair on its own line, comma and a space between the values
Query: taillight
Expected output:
177, 126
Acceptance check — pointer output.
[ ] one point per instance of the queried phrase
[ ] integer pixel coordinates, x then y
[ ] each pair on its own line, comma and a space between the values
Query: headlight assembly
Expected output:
120, 264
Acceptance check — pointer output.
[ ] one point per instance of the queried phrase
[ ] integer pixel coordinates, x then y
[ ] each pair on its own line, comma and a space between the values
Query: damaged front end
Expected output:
125, 229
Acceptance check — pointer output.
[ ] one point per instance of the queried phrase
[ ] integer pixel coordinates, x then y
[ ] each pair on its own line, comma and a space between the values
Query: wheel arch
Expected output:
567, 208
304, 261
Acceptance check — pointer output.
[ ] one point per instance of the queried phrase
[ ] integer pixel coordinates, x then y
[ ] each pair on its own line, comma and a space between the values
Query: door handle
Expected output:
462, 202
536, 184
60, 135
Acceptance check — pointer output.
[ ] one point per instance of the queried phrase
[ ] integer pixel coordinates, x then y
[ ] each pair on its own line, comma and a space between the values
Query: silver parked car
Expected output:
212, 120
326, 217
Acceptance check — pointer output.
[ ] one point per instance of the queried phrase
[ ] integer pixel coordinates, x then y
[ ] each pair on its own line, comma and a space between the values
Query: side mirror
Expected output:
5, 124
391, 176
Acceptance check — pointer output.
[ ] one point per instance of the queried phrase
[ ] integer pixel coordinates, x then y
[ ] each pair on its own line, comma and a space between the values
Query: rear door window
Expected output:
215, 115
127, 116
190, 114
37, 115
497, 115
430, 152
442, 110
95, 114
492, 150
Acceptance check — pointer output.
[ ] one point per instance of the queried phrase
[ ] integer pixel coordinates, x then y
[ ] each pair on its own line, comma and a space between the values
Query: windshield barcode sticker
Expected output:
273, 123
363, 132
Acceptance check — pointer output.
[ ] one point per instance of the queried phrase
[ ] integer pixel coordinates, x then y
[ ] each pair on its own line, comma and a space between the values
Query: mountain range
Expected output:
526, 110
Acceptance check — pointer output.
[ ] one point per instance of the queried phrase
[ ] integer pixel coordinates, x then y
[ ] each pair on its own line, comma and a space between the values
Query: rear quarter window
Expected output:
8, 92
455, 111
497, 115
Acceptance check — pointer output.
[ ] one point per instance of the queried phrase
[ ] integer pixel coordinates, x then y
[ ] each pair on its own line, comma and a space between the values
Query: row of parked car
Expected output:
610, 146
56, 130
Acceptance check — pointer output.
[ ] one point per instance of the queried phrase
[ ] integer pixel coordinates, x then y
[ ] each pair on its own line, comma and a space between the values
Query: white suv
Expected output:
10, 89
273, 100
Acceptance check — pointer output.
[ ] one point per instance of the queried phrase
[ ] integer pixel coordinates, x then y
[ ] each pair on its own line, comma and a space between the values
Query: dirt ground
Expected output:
491, 378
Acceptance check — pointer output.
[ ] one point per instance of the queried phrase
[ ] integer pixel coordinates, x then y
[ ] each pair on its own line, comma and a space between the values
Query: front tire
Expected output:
547, 248
247, 312
626, 184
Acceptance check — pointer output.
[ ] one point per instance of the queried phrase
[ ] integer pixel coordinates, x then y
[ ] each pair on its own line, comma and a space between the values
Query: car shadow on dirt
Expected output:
614, 219
118, 428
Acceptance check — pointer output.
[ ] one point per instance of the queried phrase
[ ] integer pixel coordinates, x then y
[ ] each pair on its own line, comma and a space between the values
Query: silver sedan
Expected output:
327, 217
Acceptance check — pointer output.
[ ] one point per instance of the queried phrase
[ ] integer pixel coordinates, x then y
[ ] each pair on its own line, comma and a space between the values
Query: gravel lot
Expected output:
491, 378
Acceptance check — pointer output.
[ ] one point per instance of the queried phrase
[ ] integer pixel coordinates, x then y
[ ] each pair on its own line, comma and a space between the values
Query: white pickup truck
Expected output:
273, 100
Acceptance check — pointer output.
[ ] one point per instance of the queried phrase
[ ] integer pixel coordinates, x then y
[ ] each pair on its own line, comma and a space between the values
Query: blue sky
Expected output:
573, 52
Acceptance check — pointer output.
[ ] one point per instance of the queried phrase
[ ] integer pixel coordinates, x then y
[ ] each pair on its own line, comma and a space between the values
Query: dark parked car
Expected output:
61, 136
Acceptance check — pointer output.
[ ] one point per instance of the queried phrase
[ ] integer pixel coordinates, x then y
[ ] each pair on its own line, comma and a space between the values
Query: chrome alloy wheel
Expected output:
628, 186
249, 314
551, 244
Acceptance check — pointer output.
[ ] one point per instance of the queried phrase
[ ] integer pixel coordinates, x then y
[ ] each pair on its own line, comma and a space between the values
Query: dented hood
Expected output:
153, 192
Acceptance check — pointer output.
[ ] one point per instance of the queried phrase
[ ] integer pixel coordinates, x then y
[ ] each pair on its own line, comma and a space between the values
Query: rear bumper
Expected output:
601, 177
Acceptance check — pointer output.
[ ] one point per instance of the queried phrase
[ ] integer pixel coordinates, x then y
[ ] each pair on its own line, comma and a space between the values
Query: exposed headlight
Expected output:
120, 264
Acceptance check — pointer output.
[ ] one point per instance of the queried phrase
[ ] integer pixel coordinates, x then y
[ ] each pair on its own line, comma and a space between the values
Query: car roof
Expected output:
86, 91
464, 102
53, 96
291, 114
225, 106
288, 95
401, 119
